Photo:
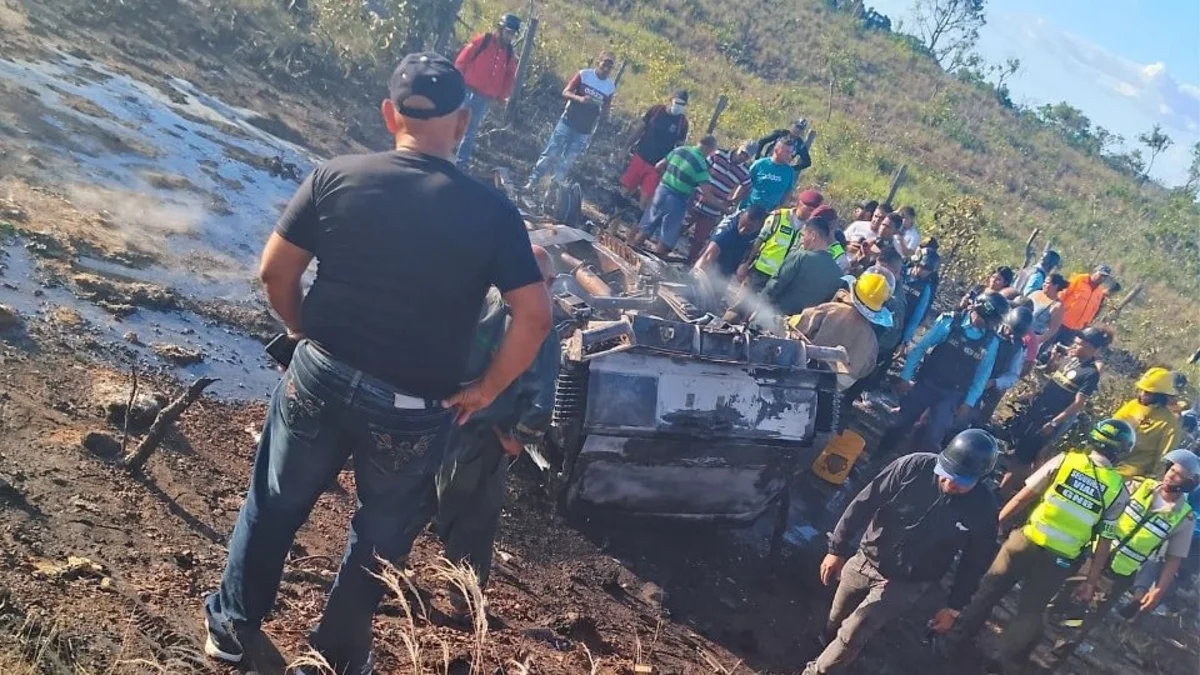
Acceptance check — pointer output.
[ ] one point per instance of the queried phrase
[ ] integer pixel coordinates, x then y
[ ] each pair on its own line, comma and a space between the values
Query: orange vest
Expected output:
1081, 302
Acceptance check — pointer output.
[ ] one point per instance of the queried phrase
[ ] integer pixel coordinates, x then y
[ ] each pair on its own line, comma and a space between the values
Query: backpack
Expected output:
483, 45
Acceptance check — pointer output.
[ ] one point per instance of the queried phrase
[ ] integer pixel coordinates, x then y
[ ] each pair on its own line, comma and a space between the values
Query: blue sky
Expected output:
1127, 64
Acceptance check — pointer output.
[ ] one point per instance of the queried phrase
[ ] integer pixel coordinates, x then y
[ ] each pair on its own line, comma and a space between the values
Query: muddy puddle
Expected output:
238, 360
185, 189
183, 176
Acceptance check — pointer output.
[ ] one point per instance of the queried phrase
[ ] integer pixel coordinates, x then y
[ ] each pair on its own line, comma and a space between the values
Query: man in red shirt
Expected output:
489, 67
663, 128
729, 175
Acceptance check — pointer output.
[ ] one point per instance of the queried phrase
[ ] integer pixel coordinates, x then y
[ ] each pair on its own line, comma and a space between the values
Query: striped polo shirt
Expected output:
726, 177
686, 170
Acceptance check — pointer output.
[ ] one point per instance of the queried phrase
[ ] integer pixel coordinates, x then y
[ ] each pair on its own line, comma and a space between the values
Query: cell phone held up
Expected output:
281, 348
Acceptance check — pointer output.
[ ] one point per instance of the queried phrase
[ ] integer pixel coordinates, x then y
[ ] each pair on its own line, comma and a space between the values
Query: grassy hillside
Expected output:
893, 105
999, 172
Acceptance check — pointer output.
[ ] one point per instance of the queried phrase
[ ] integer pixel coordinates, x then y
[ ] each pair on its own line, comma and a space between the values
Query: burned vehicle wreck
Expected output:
661, 408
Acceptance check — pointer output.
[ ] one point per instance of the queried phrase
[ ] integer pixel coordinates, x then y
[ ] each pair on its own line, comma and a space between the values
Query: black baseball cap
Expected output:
431, 77
681, 95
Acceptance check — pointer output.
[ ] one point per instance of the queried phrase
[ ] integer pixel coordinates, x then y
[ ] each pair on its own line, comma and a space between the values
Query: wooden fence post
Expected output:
1029, 246
1115, 313
447, 19
722, 102
900, 175
514, 99
620, 73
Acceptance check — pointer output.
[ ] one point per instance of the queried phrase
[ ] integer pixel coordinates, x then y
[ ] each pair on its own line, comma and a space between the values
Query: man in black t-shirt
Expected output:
406, 249
1076, 376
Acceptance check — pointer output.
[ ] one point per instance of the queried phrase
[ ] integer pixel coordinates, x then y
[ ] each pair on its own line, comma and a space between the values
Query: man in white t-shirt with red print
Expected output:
589, 96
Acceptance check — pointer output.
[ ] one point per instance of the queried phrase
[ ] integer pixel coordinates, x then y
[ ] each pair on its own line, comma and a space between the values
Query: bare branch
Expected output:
136, 460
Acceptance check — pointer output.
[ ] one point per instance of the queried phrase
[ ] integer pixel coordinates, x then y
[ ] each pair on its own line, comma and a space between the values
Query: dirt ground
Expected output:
104, 573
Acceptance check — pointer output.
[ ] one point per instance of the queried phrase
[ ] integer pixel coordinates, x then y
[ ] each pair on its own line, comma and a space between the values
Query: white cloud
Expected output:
1125, 89
1122, 95
1152, 88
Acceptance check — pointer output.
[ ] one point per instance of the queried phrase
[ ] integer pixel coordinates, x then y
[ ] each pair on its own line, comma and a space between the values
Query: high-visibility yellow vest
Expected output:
837, 250
1143, 534
775, 249
1065, 520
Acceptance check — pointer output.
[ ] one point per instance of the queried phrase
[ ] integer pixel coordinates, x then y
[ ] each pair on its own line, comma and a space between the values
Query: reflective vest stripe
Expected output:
1065, 520
1141, 531
1068, 505
776, 248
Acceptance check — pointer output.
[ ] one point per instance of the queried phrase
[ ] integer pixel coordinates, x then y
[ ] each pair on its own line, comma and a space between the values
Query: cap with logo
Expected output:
426, 85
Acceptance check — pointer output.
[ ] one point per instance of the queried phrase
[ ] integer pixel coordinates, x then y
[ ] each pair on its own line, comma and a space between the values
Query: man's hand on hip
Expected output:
469, 400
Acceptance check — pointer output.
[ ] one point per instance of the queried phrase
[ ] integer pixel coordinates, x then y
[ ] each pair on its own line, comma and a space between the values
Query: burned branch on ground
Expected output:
136, 460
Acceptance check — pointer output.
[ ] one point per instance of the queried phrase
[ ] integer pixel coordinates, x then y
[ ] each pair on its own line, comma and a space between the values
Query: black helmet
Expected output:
511, 22
1188, 421
1019, 320
928, 258
971, 455
991, 306
1095, 337
1050, 260
1113, 438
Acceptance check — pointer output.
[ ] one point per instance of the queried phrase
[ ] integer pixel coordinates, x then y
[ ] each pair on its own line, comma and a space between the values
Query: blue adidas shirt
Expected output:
769, 183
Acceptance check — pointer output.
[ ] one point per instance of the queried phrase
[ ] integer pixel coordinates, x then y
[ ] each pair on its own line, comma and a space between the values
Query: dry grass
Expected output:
717, 666
43, 649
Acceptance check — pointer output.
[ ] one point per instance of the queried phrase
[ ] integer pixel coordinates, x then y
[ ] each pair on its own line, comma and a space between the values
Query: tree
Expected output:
949, 29
1070, 122
1156, 142
842, 71
1191, 187
1129, 163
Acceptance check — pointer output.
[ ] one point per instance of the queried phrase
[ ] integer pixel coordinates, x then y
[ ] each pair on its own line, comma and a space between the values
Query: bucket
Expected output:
838, 457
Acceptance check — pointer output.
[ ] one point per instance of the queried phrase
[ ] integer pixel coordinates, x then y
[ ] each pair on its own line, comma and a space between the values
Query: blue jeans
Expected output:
478, 104
665, 216
321, 413
564, 147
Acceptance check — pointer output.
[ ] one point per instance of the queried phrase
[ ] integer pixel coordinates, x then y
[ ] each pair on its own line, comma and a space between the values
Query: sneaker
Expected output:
225, 645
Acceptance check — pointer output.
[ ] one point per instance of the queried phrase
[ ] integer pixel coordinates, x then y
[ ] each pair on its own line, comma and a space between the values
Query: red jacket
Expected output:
488, 65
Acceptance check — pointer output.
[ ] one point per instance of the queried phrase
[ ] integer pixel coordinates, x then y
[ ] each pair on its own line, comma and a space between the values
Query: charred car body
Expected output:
661, 409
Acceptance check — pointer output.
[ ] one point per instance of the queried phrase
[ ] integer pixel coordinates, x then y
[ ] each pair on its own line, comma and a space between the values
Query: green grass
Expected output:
955, 137
892, 106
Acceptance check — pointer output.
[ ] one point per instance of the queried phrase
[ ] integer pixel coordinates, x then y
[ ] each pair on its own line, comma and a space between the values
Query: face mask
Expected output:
676, 109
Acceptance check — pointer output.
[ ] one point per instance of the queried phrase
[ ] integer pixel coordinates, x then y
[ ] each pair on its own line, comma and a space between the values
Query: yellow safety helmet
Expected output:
1158, 381
872, 289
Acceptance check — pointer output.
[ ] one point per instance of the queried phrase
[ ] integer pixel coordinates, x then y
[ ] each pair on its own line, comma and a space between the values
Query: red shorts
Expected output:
704, 224
640, 174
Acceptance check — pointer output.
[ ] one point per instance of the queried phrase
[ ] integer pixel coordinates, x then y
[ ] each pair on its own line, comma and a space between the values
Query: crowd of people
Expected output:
428, 388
